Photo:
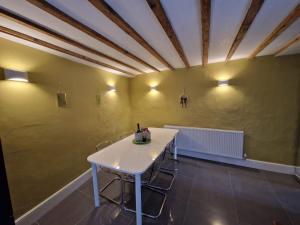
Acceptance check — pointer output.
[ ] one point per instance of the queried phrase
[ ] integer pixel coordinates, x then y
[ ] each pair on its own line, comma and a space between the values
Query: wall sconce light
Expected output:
15, 75
223, 83
112, 88
153, 88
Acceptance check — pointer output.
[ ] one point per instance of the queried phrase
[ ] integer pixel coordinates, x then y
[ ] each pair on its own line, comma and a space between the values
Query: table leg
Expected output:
95, 185
138, 199
175, 149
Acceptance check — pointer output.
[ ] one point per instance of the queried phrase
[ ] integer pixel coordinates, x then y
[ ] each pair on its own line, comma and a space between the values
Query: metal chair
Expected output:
160, 170
148, 183
118, 177
145, 184
169, 148
148, 179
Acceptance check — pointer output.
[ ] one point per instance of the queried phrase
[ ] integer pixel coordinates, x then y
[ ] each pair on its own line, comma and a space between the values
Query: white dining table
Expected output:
126, 157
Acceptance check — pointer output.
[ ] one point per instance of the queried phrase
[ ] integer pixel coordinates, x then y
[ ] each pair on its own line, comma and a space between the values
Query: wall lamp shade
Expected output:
223, 83
15, 75
112, 88
153, 88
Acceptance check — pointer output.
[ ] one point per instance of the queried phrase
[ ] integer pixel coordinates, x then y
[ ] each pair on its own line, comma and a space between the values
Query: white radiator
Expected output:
228, 143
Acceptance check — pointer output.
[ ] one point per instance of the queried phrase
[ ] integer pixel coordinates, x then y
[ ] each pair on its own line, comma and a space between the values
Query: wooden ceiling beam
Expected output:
291, 18
45, 6
57, 48
103, 7
248, 20
42, 29
205, 21
161, 15
287, 45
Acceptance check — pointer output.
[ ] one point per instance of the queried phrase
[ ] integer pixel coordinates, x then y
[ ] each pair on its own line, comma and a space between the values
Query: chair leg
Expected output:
118, 178
171, 159
155, 216
164, 188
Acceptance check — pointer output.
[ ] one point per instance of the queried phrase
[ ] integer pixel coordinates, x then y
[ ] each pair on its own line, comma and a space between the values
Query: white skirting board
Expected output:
41, 209
251, 163
297, 173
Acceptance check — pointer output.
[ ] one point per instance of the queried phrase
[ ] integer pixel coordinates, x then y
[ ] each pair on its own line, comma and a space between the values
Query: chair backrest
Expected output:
103, 144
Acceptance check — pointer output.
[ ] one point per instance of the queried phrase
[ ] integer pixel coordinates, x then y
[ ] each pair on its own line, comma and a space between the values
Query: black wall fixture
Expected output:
6, 210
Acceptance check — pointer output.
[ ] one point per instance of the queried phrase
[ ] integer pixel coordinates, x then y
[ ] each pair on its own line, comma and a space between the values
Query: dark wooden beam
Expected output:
30, 24
205, 21
288, 44
248, 20
291, 18
161, 15
103, 7
45, 6
57, 48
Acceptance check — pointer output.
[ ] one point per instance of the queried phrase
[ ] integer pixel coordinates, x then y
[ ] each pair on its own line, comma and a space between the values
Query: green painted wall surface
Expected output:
45, 147
297, 155
260, 100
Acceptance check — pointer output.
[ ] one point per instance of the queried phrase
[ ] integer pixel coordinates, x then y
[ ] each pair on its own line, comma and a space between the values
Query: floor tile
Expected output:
209, 181
206, 216
213, 165
256, 202
287, 191
251, 185
253, 211
203, 193
103, 179
186, 167
181, 188
246, 172
172, 214
151, 200
69, 211
107, 214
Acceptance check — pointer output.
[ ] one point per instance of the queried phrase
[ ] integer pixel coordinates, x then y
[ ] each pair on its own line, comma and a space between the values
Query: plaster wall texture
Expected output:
261, 99
45, 147
297, 143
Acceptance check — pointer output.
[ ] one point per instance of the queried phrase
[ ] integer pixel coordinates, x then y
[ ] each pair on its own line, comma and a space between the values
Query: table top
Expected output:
126, 157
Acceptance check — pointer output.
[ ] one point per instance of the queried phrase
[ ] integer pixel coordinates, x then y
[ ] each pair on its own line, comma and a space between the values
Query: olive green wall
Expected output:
298, 161
298, 158
45, 147
297, 155
260, 100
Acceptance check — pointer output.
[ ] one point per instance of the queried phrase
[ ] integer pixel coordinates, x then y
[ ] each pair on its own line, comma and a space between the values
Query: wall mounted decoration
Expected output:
61, 99
183, 99
61, 96
98, 99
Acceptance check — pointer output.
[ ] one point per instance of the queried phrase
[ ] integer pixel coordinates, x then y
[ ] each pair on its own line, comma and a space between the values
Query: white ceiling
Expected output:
293, 50
269, 16
225, 24
184, 15
183, 25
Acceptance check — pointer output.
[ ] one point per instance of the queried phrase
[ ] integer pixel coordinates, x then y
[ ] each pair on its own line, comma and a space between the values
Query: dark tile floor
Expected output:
203, 193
